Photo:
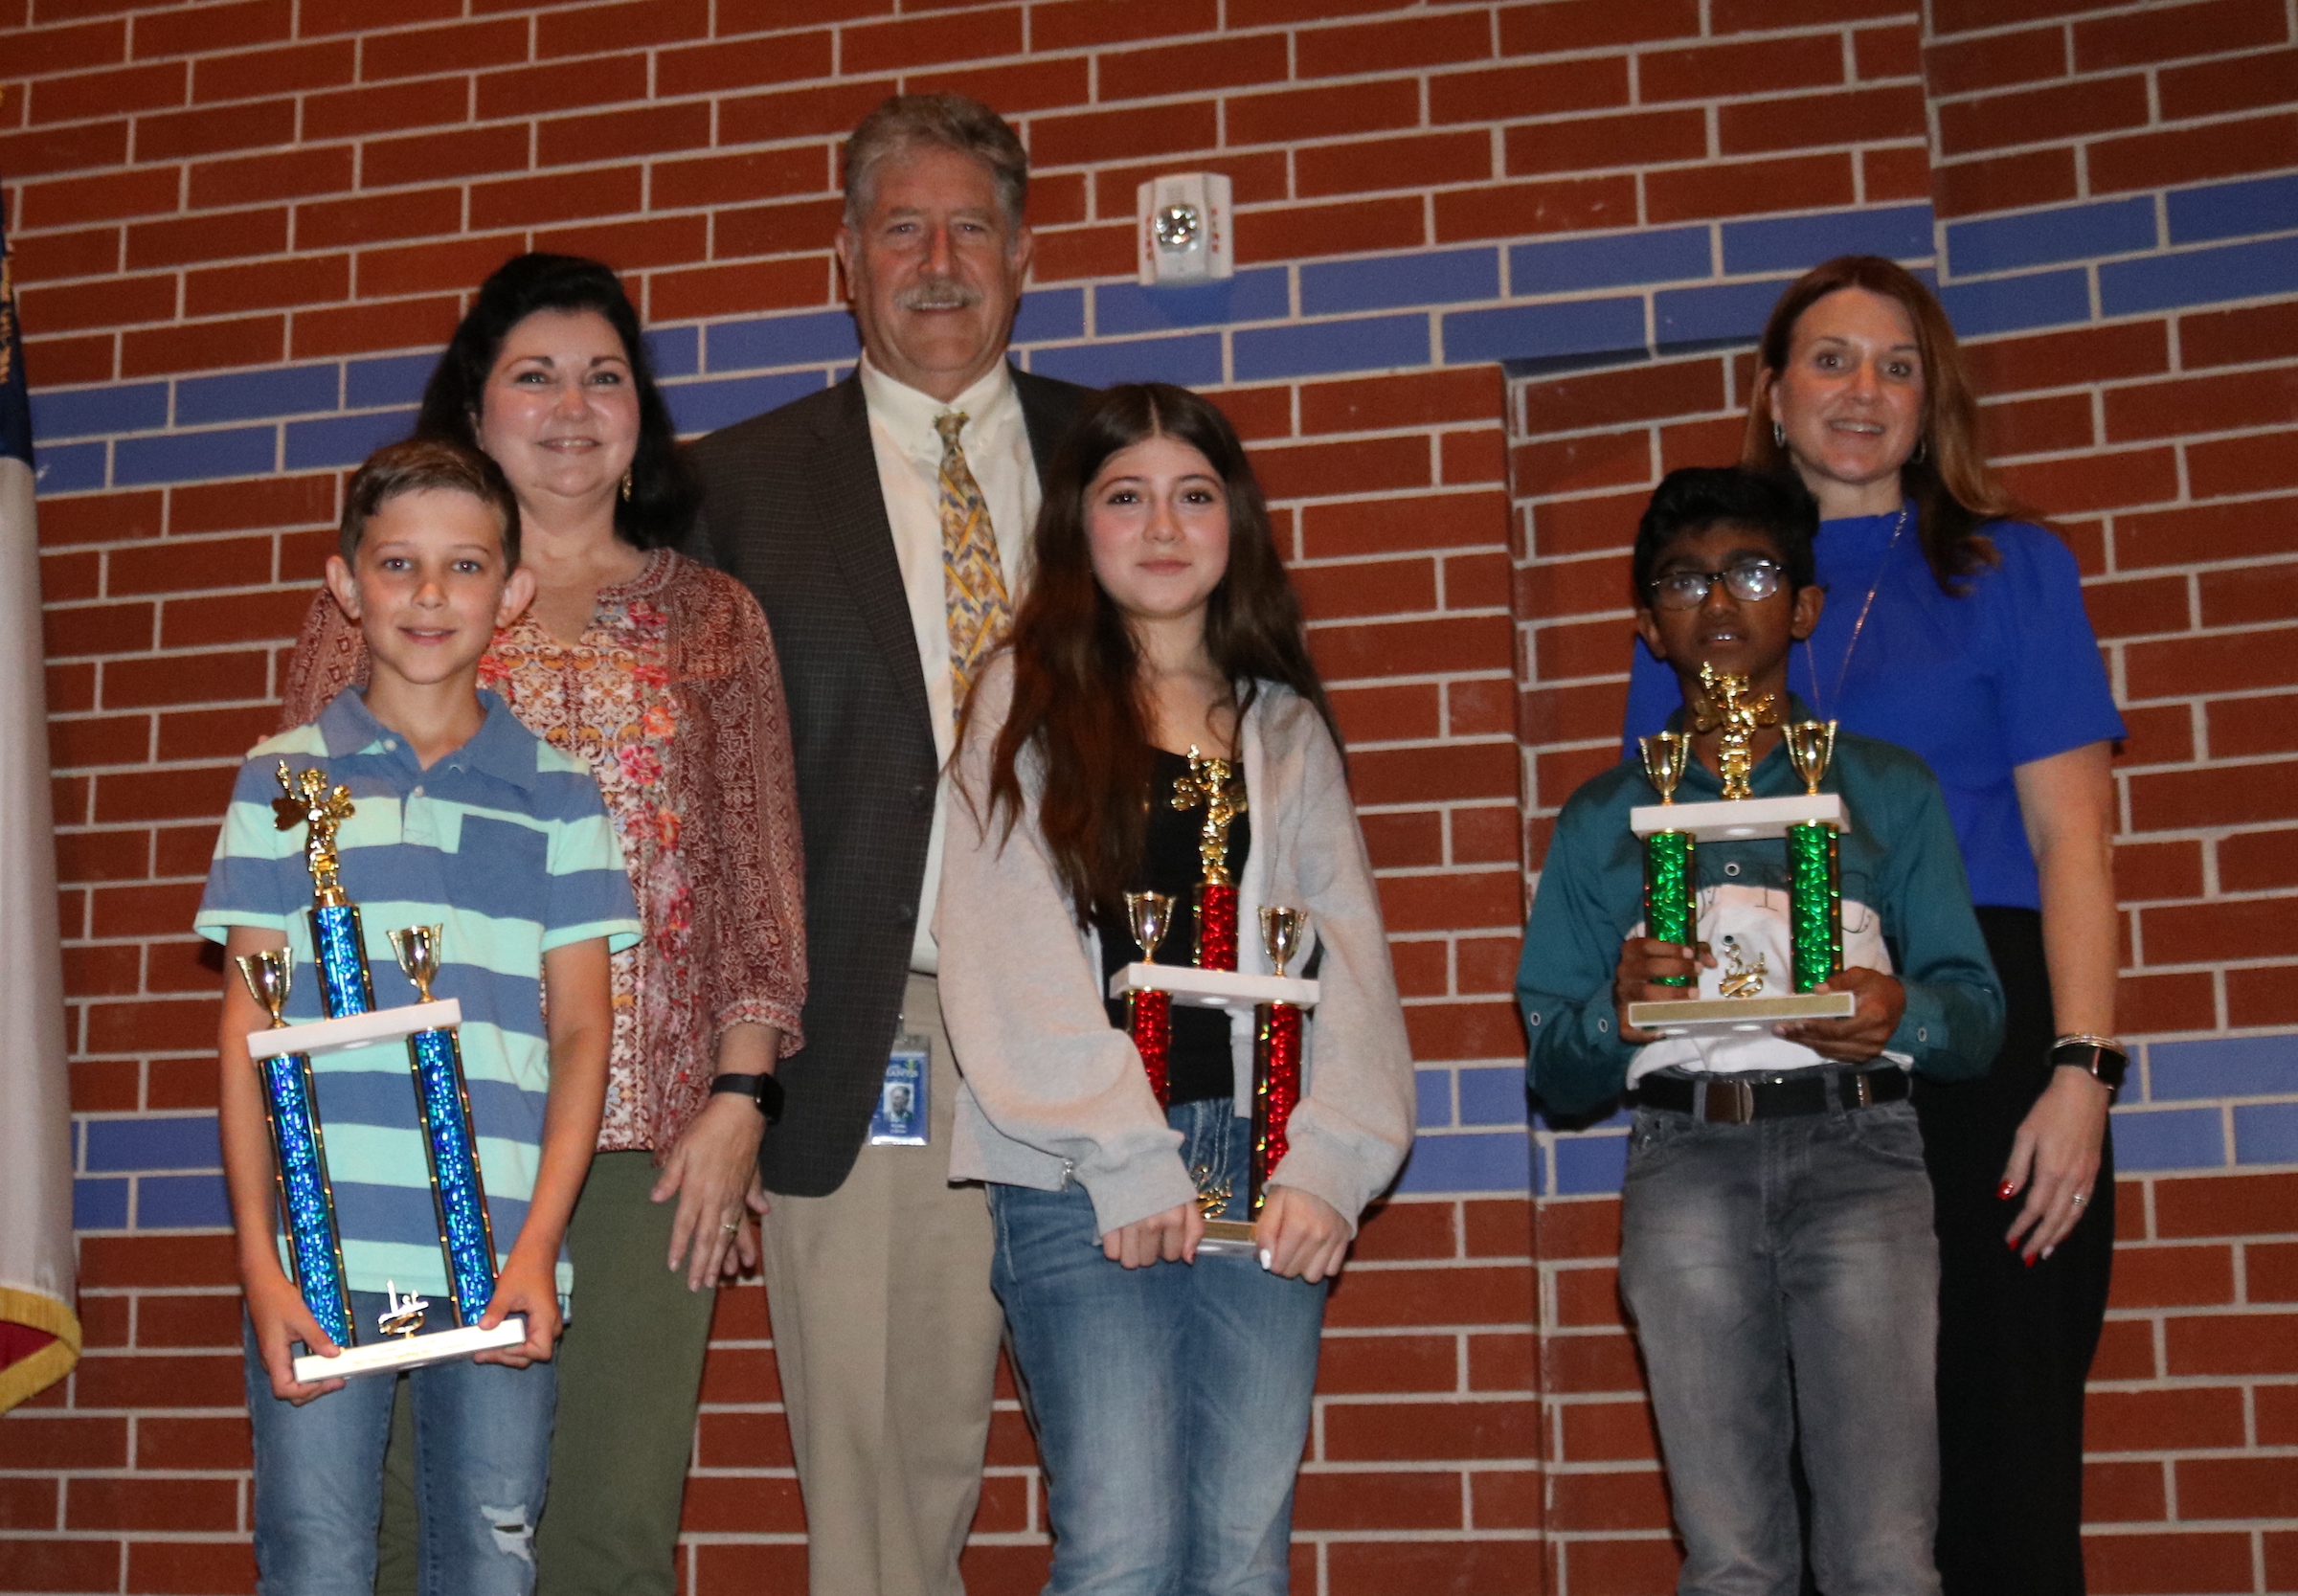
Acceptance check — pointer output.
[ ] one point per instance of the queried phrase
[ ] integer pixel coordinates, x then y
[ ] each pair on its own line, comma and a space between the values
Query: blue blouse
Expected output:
1979, 685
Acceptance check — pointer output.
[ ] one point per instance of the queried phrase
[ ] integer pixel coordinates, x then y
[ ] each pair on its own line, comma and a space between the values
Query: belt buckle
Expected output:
1859, 1088
1730, 1101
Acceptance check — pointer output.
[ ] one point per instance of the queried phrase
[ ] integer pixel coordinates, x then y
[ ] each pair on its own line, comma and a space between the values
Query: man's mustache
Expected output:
939, 293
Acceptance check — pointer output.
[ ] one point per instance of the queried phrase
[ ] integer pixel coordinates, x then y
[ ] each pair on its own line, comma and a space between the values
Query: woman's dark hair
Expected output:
662, 500
416, 464
1955, 494
1078, 698
1696, 497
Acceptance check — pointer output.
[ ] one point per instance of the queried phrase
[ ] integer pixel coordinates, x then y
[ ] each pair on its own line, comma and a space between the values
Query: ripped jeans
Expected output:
482, 1455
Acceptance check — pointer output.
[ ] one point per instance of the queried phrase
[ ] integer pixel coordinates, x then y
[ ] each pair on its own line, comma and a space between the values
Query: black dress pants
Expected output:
2015, 1342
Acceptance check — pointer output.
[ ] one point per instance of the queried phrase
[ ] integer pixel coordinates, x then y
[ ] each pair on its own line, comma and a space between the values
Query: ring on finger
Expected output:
2081, 1197
730, 1225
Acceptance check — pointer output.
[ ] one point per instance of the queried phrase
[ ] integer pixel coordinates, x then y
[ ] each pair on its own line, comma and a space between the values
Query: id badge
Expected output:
900, 1119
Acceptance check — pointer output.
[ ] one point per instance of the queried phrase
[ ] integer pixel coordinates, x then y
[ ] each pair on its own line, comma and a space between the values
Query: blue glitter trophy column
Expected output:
284, 1053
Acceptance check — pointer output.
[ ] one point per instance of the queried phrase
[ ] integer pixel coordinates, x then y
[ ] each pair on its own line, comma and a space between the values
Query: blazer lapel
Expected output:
850, 505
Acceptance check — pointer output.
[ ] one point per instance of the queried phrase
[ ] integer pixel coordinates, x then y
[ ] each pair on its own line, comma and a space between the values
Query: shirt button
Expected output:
1602, 1025
1922, 1033
391, 745
1533, 1017
418, 792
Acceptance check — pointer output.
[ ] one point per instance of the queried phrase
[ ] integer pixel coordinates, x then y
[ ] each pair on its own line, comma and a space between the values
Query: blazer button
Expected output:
906, 914
922, 795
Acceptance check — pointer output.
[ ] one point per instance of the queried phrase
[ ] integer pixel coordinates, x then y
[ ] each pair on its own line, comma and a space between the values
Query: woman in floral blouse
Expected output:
661, 673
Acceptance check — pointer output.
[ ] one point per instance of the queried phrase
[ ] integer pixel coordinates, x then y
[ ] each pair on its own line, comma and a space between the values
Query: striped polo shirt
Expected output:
506, 843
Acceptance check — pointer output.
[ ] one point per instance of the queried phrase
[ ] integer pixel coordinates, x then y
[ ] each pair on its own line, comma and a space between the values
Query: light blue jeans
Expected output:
1781, 1275
1171, 1402
481, 1457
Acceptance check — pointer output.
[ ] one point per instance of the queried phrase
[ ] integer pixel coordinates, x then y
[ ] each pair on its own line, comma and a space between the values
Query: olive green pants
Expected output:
629, 1380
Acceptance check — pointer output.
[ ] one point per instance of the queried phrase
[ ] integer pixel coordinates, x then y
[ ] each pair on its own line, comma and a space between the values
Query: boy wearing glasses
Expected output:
1777, 1251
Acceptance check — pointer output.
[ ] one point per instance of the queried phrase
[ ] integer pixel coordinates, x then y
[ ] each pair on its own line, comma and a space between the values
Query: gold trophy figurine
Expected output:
1723, 703
269, 973
308, 801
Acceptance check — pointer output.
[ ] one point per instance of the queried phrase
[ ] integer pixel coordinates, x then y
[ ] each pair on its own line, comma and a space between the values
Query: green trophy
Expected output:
1670, 858
1810, 822
1814, 873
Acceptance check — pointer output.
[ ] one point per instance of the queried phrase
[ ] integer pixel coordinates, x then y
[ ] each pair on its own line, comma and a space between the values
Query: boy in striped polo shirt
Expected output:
462, 818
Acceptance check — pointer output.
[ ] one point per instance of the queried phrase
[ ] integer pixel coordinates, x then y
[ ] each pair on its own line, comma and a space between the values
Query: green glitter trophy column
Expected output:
1814, 875
1670, 858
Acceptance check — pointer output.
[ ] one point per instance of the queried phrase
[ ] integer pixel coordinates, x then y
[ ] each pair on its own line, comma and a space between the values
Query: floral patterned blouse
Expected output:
673, 695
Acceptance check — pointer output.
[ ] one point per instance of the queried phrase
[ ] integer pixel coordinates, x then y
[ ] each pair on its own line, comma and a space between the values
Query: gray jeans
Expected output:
1783, 1277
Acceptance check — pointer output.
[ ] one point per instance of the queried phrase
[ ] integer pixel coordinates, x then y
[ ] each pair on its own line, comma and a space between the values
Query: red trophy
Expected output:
1148, 1012
1214, 784
1276, 1053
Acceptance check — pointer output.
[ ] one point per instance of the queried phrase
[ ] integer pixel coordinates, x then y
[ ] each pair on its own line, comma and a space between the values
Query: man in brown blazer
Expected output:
863, 517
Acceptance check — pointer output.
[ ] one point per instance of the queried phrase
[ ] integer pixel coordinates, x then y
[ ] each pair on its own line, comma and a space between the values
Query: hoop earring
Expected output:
626, 487
1779, 434
1921, 451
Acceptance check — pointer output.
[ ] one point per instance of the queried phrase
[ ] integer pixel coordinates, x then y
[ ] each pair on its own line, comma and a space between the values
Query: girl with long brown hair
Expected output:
1955, 628
1170, 1390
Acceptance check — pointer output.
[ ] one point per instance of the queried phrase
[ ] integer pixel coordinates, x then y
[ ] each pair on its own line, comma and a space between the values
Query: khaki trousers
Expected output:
886, 1336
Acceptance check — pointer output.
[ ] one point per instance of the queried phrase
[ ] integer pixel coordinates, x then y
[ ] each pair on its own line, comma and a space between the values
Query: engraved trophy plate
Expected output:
282, 1056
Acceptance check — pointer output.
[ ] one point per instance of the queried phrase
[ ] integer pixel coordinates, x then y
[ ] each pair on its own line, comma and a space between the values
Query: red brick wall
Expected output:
237, 184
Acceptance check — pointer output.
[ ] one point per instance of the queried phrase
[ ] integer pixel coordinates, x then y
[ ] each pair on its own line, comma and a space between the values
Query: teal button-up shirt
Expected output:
1900, 859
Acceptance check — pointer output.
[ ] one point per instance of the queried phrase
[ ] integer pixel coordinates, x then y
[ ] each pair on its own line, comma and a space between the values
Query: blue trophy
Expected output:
283, 1054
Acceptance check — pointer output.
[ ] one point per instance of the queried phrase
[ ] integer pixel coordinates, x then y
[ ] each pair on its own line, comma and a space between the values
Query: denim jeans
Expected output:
482, 1455
1171, 1402
1783, 1277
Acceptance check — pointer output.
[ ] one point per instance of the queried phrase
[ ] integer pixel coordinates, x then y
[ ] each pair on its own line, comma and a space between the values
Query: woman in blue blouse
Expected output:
1955, 629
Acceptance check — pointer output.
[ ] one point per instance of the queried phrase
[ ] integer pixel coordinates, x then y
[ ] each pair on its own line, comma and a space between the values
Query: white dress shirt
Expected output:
995, 439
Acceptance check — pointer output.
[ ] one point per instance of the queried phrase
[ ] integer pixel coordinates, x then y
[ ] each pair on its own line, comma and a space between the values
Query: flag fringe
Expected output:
27, 1377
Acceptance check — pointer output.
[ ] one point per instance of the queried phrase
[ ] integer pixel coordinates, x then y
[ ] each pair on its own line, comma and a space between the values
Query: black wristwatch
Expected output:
2099, 1057
762, 1089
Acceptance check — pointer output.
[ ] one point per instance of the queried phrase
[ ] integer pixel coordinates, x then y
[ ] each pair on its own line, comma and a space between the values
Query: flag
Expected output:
39, 1332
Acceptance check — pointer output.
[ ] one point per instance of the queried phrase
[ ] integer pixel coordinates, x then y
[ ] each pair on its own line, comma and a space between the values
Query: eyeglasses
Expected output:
1749, 580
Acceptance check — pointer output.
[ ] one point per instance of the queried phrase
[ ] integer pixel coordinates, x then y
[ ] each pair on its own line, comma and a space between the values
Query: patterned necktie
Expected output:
973, 581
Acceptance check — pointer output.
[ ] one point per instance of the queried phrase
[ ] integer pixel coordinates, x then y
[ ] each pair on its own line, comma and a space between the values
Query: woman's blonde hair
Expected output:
1947, 476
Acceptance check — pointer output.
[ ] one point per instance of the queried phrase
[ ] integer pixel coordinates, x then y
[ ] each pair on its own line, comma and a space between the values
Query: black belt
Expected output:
1735, 1099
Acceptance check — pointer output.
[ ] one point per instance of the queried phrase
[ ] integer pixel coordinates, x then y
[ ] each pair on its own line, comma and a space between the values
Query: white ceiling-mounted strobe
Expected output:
1186, 235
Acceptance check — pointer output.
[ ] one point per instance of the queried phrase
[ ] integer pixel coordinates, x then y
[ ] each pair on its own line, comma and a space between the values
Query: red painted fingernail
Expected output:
2011, 1243
2006, 1189
2030, 1263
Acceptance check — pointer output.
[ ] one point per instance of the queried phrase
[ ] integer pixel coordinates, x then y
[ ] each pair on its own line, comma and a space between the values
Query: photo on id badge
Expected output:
900, 1119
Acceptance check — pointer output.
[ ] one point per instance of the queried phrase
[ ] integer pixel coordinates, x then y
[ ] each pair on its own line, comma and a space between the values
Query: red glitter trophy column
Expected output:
1214, 784
1275, 1054
1149, 1013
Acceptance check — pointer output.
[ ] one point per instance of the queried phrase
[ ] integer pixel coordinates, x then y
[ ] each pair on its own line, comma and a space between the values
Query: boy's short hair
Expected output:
1697, 496
422, 463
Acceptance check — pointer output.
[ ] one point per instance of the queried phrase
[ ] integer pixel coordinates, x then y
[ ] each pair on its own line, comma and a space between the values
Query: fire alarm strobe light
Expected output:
1184, 230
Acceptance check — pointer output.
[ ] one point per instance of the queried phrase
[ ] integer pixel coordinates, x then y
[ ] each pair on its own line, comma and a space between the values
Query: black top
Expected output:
1199, 1063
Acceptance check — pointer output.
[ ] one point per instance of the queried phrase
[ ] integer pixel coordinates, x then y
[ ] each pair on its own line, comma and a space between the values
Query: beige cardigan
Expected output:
1051, 1090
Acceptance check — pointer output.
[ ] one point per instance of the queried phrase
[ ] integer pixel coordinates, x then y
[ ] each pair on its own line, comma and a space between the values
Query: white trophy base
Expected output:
1724, 1016
354, 1030
411, 1351
1227, 1238
1213, 988
1739, 820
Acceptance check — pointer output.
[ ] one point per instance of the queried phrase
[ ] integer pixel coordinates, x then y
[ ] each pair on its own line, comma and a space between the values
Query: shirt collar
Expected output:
909, 413
501, 748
